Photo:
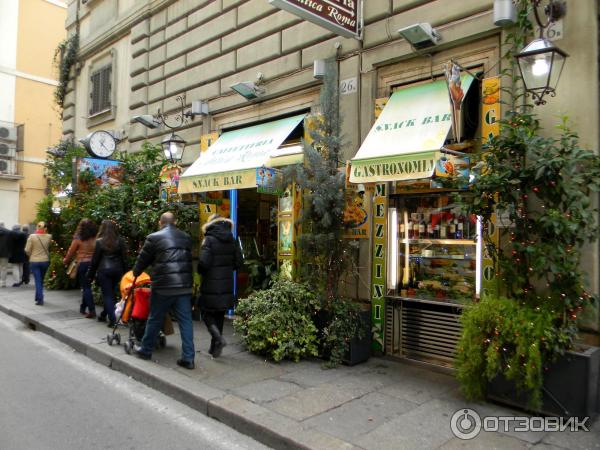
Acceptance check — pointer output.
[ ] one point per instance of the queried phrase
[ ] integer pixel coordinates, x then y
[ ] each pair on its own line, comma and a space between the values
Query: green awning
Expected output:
405, 141
231, 162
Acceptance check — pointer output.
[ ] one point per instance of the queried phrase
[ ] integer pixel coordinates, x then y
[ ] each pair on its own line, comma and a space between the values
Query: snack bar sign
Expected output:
340, 16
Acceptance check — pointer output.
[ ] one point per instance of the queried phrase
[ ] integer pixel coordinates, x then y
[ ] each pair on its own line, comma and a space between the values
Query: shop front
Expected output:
427, 254
236, 178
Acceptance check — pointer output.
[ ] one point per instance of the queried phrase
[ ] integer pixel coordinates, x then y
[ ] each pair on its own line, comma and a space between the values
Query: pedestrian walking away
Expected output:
17, 255
26, 269
220, 256
169, 252
109, 263
5, 249
38, 250
81, 251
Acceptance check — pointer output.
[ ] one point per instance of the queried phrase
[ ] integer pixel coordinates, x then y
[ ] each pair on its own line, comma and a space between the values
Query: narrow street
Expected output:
54, 398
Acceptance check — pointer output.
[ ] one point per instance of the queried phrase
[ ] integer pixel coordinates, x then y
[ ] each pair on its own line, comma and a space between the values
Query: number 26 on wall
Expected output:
349, 86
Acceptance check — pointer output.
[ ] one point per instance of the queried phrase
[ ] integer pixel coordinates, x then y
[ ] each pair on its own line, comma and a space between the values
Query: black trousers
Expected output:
214, 318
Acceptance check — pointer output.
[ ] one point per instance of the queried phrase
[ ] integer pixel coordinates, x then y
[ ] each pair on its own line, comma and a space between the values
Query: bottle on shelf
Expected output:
443, 229
402, 230
422, 228
460, 226
416, 226
451, 227
429, 222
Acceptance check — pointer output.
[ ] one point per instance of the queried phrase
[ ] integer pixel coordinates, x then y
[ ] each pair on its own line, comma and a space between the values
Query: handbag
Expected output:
72, 269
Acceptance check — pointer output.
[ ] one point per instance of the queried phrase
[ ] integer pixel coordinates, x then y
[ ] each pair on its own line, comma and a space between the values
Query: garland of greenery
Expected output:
65, 57
543, 186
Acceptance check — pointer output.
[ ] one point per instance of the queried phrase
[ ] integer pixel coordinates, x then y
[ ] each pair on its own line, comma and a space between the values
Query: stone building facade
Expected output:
158, 49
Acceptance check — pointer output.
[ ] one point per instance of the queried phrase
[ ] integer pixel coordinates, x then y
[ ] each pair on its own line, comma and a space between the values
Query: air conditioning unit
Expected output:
8, 167
7, 151
8, 133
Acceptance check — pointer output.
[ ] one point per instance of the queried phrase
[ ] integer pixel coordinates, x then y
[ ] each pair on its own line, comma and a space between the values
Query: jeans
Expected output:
17, 269
3, 271
159, 307
38, 269
108, 281
26, 272
87, 299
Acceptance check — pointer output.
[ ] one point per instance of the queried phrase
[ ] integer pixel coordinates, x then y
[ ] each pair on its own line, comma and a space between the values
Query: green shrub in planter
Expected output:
277, 322
343, 323
505, 337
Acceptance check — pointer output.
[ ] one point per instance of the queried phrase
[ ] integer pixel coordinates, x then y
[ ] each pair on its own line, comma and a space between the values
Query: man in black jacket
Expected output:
220, 256
169, 252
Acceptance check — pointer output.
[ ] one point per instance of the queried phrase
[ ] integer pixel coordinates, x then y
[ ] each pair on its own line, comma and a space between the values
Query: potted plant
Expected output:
327, 257
520, 345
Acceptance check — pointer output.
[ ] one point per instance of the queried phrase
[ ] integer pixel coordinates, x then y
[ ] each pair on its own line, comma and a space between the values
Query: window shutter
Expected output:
101, 90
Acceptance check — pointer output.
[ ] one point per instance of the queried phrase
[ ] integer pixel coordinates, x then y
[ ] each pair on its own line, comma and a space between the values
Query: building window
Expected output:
100, 95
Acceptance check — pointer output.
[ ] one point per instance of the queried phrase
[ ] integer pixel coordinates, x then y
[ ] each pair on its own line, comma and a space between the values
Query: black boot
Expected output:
219, 341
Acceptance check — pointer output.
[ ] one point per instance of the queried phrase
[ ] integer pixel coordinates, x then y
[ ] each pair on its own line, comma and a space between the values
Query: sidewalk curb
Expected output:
248, 418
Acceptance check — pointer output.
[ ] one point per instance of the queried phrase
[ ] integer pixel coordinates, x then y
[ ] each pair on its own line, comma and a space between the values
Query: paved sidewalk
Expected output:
380, 404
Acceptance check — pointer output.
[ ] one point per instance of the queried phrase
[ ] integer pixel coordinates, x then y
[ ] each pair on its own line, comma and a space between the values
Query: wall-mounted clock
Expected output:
100, 144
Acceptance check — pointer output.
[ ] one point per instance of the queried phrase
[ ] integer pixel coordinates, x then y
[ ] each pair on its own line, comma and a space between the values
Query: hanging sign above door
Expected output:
343, 17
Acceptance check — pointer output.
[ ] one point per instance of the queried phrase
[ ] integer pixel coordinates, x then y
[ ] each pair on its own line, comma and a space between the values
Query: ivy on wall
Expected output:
65, 57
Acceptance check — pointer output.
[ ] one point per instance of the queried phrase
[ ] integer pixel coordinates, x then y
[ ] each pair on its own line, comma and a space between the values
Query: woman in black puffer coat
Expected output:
220, 256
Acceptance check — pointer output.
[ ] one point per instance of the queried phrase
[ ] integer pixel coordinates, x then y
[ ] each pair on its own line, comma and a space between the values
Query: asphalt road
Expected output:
54, 398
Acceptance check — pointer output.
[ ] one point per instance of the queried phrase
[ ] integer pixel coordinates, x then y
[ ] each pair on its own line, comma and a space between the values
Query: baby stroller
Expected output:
135, 294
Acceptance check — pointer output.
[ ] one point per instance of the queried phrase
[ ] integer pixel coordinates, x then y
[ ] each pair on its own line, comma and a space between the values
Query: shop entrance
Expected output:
257, 235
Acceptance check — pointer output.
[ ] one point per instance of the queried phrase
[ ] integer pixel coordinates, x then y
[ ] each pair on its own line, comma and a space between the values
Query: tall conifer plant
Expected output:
325, 254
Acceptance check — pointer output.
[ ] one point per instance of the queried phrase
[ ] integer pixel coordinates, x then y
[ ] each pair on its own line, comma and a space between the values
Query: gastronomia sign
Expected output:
340, 16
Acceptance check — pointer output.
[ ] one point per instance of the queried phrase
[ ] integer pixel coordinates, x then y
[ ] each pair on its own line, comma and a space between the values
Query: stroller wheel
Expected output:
118, 339
162, 341
128, 346
109, 339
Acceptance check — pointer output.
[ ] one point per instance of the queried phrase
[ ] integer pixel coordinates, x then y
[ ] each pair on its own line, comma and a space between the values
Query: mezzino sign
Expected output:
343, 17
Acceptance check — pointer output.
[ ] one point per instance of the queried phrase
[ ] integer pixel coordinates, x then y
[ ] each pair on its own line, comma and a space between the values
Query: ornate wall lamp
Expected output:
173, 145
541, 62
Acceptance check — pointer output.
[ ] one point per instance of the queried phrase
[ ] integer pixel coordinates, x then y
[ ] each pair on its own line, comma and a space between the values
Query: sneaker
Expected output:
137, 351
186, 364
111, 324
101, 318
16, 284
90, 315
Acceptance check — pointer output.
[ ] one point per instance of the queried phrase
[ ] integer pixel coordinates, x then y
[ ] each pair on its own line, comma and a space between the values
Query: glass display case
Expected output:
434, 250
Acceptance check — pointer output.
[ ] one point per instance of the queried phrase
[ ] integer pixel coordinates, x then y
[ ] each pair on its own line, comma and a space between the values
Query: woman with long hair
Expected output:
38, 250
108, 265
82, 249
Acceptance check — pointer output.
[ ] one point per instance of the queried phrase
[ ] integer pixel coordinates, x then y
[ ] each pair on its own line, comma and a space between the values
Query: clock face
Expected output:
102, 144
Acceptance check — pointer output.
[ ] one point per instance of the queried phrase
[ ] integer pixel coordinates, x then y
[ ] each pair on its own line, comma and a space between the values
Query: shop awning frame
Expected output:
406, 142
231, 162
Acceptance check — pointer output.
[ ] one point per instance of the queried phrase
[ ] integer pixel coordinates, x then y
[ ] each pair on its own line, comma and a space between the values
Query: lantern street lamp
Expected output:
541, 62
173, 147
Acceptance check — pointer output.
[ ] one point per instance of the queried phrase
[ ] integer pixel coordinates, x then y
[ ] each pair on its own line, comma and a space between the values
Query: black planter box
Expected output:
359, 350
571, 387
